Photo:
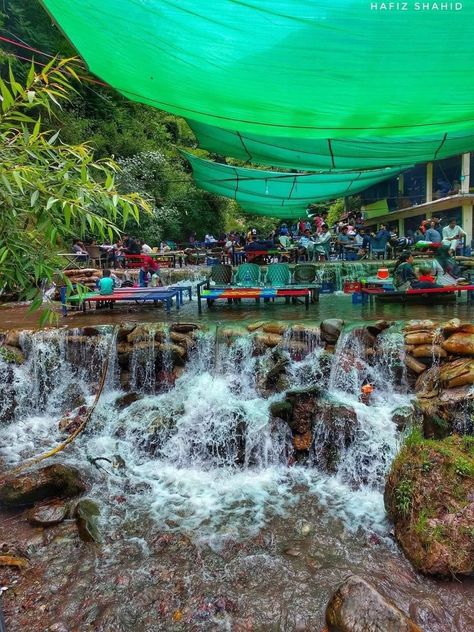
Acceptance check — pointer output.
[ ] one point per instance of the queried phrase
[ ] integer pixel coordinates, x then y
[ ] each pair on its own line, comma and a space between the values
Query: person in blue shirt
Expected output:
432, 234
106, 283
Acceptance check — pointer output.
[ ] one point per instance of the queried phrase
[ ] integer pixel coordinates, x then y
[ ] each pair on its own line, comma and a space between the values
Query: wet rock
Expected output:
123, 331
86, 513
11, 354
254, 326
414, 365
427, 385
90, 331
460, 344
419, 325
403, 417
125, 380
357, 607
184, 328
47, 514
126, 400
52, 481
70, 423
331, 329
455, 326
376, 328
268, 340
429, 495
420, 338
124, 349
429, 351
275, 328
281, 409
457, 373
182, 339
145, 333
12, 338
334, 430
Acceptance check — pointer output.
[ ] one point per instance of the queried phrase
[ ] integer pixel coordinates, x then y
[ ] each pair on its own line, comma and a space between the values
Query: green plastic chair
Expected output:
221, 274
248, 275
278, 274
304, 274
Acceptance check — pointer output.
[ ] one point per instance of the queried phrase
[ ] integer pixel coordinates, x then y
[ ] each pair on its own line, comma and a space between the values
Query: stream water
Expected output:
206, 521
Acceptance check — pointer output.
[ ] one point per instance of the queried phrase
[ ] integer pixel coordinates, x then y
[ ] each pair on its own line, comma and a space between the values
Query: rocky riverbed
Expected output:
233, 478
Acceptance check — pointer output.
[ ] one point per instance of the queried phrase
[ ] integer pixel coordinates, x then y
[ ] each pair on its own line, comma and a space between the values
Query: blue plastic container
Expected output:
212, 261
357, 298
327, 287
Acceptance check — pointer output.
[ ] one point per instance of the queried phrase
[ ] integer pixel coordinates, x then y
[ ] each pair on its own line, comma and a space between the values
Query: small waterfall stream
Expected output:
205, 454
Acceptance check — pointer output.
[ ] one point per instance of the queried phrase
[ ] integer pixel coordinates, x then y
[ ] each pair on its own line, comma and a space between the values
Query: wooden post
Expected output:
429, 182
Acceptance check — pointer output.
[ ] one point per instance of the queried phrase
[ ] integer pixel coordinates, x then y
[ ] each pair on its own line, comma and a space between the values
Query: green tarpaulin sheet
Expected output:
313, 154
273, 190
291, 68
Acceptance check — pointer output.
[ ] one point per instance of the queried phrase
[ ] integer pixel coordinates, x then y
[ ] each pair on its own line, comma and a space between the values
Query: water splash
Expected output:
205, 456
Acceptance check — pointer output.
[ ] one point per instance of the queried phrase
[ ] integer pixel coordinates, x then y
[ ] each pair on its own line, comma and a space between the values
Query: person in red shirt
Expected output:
425, 278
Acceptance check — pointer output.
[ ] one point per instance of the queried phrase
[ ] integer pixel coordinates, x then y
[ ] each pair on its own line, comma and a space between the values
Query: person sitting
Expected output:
404, 274
106, 284
452, 235
164, 247
306, 243
445, 268
79, 250
155, 280
425, 278
322, 243
343, 239
131, 246
433, 235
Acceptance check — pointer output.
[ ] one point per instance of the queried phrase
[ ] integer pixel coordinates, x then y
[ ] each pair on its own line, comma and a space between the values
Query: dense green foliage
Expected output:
133, 134
50, 191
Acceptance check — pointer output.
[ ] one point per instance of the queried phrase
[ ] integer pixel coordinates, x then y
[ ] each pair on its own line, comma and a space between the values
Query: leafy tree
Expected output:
50, 191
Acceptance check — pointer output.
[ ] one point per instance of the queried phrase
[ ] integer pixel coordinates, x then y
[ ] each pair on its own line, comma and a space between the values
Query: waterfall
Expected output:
204, 454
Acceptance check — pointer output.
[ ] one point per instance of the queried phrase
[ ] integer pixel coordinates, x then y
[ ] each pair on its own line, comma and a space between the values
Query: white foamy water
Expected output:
205, 456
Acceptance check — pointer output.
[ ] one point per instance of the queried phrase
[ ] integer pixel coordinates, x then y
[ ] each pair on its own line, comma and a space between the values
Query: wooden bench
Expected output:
139, 295
233, 293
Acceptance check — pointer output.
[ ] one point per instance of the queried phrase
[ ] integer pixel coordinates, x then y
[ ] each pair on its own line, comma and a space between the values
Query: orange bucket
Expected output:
383, 273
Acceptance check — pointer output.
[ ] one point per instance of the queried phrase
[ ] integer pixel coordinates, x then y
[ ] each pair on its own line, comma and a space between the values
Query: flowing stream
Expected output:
200, 496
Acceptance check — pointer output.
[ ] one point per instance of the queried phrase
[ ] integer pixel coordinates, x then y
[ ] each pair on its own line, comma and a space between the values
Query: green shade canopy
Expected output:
272, 191
290, 68
313, 154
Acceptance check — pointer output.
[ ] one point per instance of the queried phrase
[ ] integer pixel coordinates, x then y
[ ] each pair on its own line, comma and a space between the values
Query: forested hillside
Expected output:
141, 139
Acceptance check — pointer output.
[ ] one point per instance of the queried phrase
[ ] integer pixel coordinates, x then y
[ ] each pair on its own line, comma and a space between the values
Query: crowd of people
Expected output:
311, 238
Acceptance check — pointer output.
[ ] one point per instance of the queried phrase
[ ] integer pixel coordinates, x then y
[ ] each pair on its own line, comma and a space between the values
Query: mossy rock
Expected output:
429, 495
11, 354
87, 513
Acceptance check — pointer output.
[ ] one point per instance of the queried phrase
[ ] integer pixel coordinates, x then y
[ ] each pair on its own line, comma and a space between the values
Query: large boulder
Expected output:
357, 607
61, 481
429, 495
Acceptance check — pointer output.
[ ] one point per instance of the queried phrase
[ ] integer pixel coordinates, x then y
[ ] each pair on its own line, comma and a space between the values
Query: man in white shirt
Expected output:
322, 243
452, 234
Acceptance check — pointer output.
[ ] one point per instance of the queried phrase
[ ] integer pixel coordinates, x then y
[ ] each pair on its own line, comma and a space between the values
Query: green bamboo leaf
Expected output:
34, 197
